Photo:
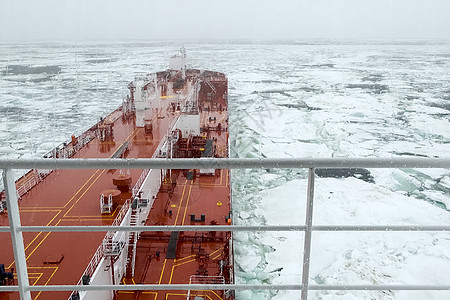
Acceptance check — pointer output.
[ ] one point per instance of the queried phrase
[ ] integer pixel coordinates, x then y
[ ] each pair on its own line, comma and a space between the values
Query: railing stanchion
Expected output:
308, 230
16, 233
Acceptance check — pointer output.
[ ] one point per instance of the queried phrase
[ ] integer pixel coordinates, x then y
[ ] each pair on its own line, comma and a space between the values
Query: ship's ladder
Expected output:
213, 88
106, 206
132, 239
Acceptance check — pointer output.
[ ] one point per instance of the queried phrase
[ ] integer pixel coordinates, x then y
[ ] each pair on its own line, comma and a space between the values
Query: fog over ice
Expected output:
232, 19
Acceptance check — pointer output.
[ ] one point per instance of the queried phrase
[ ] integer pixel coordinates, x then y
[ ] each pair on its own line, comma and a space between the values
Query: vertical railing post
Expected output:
16, 233
308, 229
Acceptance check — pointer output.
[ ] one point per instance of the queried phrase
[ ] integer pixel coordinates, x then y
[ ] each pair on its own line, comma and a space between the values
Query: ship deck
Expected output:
72, 197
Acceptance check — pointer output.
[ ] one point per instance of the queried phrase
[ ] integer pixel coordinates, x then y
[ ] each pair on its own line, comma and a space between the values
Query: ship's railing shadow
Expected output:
16, 230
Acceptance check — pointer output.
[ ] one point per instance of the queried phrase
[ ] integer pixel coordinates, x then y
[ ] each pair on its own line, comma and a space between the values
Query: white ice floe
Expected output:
317, 100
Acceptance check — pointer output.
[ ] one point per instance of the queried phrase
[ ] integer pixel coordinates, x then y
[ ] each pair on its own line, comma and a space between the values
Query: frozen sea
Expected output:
287, 99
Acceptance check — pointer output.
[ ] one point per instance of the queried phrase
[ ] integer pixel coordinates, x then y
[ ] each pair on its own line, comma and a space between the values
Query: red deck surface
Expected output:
71, 197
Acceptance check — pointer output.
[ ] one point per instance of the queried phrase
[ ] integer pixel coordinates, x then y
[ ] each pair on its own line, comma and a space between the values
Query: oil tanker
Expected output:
177, 113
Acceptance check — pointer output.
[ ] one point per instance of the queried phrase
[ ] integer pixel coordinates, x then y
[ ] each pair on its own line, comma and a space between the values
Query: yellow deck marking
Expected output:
54, 218
177, 260
56, 269
214, 184
187, 203
39, 210
189, 261
34, 283
185, 262
68, 202
214, 252
176, 220
173, 294
103, 171
217, 256
35, 238
162, 271
79, 190
81, 196
75, 193
216, 295
48, 233
101, 217
179, 205
85, 220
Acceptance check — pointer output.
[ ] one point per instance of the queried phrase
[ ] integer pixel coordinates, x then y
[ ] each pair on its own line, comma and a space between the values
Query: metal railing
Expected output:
16, 229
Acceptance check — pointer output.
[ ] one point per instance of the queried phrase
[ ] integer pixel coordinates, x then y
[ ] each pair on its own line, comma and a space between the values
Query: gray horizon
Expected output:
96, 20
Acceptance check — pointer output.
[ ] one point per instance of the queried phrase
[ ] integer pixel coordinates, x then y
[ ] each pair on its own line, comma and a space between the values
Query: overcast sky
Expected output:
32, 20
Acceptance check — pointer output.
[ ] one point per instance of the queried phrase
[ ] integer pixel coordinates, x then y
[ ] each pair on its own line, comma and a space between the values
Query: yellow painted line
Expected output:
179, 205
56, 269
73, 220
171, 274
42, 267
38, 210
215, 251
35, 238
186, 262
48, 233
41, 231
201, 295
81, 196
177, 260
217, 256
176, 220
211, 291
216, 295
211, 185
79, 190
187, 203
34, 283
82, 218
132, 280
32, 208
101, 217
103, 171
162, 271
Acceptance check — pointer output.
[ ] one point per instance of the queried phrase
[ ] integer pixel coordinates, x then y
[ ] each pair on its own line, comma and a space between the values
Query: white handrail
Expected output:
225, 163
9, 164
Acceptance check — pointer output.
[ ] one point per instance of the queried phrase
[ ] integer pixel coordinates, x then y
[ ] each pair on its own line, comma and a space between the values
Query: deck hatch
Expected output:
172, 247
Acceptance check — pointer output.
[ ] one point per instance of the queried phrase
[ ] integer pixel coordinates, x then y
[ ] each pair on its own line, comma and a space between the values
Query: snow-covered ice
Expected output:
306, 99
